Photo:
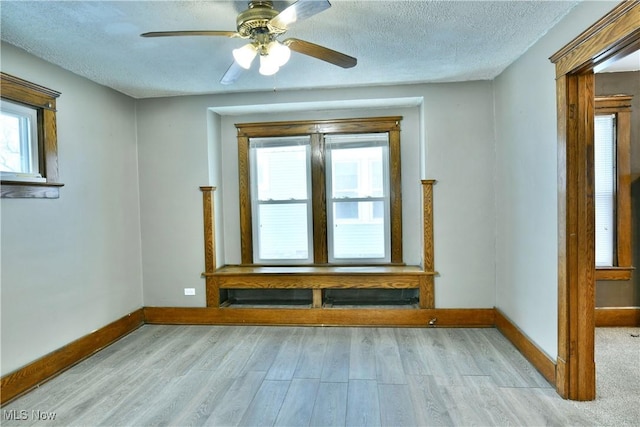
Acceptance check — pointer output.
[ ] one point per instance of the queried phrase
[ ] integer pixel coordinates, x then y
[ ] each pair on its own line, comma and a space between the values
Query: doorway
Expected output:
614, 36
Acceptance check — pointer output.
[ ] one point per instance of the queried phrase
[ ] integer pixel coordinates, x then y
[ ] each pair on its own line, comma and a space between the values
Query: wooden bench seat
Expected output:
318, 278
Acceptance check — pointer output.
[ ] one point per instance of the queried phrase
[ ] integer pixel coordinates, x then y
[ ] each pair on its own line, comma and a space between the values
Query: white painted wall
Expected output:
173, 153
177, 156
526, 182
72, 265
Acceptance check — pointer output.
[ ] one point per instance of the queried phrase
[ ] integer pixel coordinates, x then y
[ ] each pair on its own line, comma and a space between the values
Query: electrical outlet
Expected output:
189, 291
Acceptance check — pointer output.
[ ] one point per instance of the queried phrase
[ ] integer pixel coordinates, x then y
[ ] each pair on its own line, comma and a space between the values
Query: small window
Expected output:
605, 188
19, 158
28, 141
612, 176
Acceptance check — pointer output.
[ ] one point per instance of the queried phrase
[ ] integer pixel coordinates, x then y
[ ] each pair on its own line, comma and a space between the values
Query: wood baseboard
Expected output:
52, 364
321, 317
45, 368
545, 365
618, 316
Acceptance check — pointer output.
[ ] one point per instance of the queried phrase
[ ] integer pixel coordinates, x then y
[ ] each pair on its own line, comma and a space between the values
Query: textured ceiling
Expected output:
395, 42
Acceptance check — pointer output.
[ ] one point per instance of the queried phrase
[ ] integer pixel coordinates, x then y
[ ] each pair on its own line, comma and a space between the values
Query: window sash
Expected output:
19, 144
371, 235
274, 209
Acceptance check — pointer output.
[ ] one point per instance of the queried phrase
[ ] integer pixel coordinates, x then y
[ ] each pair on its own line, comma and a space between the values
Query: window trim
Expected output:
620, 105
316, 128
43, 100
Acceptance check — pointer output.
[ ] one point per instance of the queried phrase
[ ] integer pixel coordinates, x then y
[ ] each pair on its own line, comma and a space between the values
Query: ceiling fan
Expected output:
261, 24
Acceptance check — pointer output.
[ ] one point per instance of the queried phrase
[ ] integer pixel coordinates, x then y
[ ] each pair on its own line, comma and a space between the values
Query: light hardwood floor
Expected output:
300, 376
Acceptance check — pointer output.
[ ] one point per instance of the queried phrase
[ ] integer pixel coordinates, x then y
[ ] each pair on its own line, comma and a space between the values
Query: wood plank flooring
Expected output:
299, 376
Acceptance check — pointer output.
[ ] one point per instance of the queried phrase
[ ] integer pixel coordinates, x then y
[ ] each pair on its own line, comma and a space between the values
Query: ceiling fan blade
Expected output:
302, 9
232, 74
321, 52
190, 33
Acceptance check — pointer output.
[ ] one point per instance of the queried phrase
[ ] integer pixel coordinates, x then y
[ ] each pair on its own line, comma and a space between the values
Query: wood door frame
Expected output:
612, 37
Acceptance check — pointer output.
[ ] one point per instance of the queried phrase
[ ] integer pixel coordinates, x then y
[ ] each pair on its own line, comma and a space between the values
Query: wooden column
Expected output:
395, 193
575, 376
427, 298
208, 213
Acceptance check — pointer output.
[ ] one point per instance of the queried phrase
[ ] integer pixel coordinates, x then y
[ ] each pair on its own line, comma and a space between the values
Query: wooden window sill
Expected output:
29, 190
614, 273
324, 270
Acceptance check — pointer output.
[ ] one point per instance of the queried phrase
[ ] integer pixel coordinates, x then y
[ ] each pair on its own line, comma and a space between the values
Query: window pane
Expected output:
357, 172
362, 236
283, 231
282, 172
18, 143
345, 210
11, 148
605, 188
345, 178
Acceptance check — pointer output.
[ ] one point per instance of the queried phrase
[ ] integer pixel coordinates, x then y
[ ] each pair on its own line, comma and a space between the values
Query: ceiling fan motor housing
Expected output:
255, 20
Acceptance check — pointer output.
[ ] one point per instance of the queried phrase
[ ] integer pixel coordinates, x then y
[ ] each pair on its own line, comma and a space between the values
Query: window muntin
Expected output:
281, 187
19, 142
605, 188
358, 197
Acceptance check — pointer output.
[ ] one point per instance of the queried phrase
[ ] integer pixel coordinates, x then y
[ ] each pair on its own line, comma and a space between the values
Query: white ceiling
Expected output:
630, 62
395, 42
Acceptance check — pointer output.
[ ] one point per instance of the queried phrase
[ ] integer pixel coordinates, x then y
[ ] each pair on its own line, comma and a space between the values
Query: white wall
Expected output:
526, 182
176, 151
72, 265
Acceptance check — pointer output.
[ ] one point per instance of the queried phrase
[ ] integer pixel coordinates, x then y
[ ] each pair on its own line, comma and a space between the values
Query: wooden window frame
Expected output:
43, 100
316, 129
620, 105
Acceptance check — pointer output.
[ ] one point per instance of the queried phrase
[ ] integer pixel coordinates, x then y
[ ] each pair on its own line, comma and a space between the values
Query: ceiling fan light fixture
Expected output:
244, 55
279, 52
261, 25
268, 66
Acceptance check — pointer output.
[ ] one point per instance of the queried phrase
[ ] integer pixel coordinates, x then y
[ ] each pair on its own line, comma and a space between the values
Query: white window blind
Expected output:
281, 199
358, 197
605, 188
